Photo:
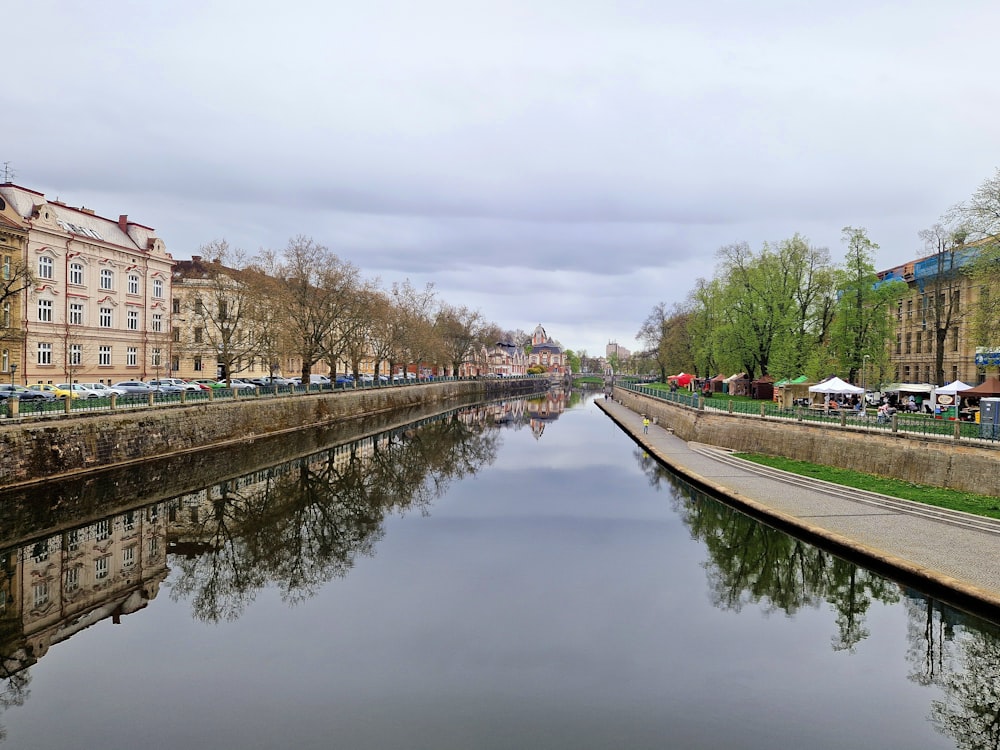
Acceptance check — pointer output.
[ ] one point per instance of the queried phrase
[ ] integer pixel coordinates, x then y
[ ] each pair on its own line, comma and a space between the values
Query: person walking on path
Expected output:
645, 425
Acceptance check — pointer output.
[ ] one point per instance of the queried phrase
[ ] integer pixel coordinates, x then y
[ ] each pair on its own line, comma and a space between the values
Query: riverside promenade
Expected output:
952, 556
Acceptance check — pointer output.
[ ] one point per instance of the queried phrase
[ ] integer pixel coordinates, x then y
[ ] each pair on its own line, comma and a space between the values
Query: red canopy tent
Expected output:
989, 387
681, 378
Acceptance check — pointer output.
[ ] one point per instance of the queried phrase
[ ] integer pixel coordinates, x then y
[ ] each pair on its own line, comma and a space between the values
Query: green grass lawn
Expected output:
981, 505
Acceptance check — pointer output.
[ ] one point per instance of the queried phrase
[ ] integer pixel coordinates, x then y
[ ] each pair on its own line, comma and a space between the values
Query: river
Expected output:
517, 574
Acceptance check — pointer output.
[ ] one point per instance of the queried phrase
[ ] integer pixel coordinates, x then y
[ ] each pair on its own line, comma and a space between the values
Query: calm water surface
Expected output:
518, 575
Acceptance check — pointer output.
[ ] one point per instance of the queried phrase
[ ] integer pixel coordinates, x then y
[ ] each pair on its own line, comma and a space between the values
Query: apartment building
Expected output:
13, 242
940, 296
98, 307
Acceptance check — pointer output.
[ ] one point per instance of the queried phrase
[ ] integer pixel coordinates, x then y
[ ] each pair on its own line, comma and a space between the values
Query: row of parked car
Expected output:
49, 392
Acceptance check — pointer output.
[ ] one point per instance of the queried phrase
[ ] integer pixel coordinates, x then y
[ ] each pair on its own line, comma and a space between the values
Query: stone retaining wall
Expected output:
934, 461
52, 447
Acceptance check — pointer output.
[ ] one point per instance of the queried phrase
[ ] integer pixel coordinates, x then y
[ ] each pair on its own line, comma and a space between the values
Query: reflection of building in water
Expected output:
188, 513
57, 586
507, 412
547, 409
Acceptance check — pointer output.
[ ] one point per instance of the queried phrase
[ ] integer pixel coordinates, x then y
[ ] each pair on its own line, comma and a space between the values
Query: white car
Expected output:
103, 390
177, 382
240, 385
80, 390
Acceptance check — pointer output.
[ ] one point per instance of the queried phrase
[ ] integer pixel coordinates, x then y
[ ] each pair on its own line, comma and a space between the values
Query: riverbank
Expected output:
933, 460
80, 442
952, 556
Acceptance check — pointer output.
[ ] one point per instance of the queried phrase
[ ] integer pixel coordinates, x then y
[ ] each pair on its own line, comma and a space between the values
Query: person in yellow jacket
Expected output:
645, 425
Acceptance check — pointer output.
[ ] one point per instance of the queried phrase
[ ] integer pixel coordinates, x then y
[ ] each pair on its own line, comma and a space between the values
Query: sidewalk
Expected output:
952, 556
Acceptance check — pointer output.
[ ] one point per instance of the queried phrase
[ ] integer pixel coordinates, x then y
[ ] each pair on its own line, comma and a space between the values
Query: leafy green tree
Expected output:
861, 325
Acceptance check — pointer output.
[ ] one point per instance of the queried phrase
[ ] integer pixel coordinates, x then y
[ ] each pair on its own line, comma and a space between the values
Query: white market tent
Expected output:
835, 387
954, 387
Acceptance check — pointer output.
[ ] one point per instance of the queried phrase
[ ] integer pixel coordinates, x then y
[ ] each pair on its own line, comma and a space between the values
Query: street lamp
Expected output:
13, 369
864, 375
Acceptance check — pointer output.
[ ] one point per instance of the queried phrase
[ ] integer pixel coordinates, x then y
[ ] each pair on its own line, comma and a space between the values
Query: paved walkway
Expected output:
952, 556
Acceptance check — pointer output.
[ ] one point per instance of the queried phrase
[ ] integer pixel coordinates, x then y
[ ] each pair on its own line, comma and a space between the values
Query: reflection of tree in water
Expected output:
305, 523
13, 691
960, 654
750, 563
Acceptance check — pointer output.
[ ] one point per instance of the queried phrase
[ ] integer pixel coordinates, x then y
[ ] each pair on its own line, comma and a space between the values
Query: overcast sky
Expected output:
571, 163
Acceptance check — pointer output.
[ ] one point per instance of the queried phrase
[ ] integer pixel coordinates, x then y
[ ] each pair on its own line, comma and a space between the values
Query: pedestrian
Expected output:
645, 425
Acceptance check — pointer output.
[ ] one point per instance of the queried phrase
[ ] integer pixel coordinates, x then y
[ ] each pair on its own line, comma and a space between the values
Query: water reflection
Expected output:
292, 514
749, 563
294, 525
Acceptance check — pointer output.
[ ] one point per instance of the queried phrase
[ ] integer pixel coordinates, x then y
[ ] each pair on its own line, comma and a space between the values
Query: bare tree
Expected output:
459, 331
942, 290
229, 316
316, 292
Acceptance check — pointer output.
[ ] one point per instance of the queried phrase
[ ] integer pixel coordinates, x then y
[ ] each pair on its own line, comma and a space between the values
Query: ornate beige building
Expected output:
98, 309
13, 241
940, 295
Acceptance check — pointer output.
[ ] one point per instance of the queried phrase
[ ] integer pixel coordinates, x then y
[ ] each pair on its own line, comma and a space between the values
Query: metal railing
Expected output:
867, 419
158, 399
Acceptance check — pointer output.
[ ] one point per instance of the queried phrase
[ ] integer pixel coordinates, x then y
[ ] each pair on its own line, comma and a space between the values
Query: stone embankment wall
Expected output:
41, 449
934, 461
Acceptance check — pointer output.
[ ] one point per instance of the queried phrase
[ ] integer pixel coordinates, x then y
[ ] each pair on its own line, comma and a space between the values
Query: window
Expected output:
176, 307
6, 266
45, 267
158, 288
73, 540
44, 311
131, 357
104, 356
909, 344
5, 360
128, 521
154, 547
154, 358
40, 592
76, 313
954, 342
76, 274
919, 342
75, 355
101, 567
197, 335
105, 321
44, 354
157, 323
40, 552
199, 306
132, 320
6, 314
72, 580
107, 278
197, 364
133, 284
153, 513
909, 308
175, 364
177, 334
102, 530
128, 556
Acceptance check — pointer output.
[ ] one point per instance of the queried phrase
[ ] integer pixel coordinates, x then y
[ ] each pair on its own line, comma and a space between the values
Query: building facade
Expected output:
939, 301
98, 307
13, 244
548, 353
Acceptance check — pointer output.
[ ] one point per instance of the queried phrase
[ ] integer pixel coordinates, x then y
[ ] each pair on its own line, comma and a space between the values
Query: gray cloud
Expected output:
565, 163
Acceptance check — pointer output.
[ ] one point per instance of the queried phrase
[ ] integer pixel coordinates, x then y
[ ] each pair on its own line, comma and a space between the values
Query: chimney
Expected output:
123, 222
